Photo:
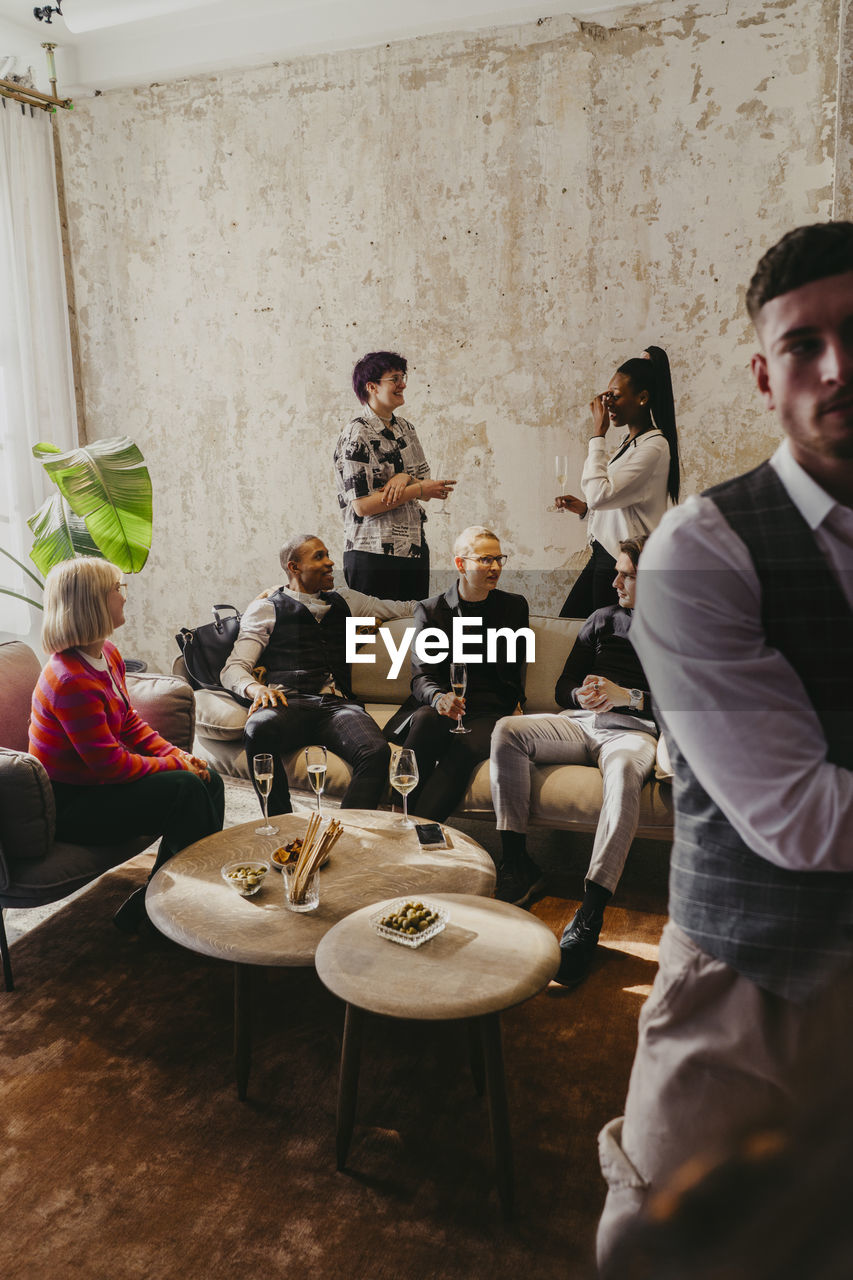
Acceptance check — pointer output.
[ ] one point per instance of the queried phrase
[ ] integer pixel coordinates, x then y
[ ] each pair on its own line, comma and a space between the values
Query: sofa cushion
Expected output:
167, 704
554, 640
218, 716
19, 672
370, 680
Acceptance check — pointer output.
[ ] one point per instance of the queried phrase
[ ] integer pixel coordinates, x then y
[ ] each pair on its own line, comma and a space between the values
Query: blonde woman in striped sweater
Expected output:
111, 772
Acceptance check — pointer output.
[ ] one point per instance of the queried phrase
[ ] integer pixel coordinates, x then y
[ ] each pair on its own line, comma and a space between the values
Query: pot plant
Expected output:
102, 508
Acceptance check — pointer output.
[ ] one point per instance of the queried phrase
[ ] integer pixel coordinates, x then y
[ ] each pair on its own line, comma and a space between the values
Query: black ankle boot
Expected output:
131, 913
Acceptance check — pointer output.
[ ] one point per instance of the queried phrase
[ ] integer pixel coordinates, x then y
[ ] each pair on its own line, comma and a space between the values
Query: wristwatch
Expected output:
635, 699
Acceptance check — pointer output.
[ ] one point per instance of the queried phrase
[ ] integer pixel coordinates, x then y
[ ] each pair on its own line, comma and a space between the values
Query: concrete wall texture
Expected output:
517, 211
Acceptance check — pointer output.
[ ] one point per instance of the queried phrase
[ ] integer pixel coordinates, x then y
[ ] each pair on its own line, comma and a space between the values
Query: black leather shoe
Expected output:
519, 878
131, 913
577, 947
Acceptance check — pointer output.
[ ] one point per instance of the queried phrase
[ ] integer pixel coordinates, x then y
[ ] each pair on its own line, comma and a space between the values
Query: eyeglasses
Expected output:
121, 588
399, 379
486, 562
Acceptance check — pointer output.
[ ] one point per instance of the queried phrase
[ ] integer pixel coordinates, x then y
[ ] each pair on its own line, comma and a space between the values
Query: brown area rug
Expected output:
128, 1155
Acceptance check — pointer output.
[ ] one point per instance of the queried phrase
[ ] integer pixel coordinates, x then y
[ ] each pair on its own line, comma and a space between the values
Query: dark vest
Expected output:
784, 930
303, 652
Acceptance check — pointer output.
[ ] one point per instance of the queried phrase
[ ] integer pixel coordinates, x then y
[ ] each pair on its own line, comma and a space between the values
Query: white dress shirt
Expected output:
626, 496
736, 708
256, 627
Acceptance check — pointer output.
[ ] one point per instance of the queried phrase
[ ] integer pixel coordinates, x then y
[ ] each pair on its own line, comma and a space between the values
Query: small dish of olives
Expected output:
409, 921
246, 877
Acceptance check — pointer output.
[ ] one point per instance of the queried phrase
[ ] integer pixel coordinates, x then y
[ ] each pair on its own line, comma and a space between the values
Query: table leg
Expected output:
490, 1026
242, 1027
348, 1081
475, 1056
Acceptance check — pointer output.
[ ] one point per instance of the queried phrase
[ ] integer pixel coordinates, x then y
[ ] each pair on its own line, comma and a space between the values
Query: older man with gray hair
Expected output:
494, 685
298, 632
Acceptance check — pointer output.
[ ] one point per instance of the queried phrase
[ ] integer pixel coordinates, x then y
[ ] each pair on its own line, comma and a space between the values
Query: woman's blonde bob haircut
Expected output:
76, 611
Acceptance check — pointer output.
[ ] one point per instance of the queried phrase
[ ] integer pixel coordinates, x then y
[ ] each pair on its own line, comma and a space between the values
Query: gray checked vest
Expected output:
302, 651
784, 930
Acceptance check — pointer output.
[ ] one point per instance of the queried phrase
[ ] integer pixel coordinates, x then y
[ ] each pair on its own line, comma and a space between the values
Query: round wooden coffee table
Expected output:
489, 957
375, 858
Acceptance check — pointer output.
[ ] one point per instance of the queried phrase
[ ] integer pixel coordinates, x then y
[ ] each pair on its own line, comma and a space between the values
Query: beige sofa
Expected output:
566, 797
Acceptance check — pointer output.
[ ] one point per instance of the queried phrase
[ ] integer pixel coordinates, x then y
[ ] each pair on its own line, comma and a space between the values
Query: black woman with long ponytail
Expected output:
625, 495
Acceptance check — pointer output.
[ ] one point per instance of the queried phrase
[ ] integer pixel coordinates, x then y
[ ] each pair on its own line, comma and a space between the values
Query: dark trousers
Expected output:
445, 760
322, 720
175, 804
593, 588
388, 577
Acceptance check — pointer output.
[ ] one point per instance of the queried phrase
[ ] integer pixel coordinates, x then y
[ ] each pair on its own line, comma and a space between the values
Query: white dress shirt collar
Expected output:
813, 503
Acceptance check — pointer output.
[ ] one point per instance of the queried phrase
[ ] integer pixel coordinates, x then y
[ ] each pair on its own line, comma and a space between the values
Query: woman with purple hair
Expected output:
626, 495
383, 477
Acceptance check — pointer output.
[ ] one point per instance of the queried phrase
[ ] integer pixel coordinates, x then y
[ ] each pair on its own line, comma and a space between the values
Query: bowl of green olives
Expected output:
409, 921
246, 877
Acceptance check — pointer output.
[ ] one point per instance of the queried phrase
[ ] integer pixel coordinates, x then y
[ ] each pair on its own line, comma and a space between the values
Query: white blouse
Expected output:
626, 496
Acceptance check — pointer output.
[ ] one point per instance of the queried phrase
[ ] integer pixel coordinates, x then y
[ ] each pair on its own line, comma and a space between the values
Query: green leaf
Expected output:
59, 535
7, 591
21, 565
107, 484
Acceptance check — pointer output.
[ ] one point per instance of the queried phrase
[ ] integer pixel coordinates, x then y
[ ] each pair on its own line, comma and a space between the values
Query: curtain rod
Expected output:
10, 89
34, 97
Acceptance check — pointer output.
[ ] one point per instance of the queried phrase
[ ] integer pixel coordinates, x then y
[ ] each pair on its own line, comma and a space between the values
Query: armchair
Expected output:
35, 868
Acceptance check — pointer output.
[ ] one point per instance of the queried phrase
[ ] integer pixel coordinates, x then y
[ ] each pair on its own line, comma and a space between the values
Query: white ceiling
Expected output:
104, 44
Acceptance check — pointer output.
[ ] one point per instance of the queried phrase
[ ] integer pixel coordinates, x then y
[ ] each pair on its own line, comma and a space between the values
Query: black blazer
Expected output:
499, 685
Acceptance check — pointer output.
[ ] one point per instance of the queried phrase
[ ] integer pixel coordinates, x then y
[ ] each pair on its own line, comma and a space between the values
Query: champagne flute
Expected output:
459, 683
561, 471
262, 767
403, 775
315, 762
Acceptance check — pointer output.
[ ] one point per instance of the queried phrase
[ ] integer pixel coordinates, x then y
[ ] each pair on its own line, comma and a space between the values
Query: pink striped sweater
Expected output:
84, 733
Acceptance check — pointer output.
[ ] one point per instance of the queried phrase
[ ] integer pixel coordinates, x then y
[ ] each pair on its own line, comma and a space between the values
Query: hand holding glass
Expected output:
459, 683
315, 762
561, 471
262, 767
403, 775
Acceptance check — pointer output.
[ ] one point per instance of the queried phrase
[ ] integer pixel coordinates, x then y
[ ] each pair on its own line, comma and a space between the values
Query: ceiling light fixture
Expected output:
45, 14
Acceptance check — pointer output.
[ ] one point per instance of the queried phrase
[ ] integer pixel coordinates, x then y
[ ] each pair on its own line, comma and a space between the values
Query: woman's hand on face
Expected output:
600, 407
568, 502
436, 488
449, 705
267, 698
393, 489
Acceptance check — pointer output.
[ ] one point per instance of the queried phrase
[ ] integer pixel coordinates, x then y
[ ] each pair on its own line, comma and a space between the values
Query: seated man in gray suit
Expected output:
608, 722
298, 632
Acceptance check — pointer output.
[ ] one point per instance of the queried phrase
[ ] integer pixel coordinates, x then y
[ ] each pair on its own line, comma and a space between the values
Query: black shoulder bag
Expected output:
206, 648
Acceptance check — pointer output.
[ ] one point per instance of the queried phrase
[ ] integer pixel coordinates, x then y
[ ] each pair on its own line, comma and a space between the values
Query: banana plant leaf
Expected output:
106, 483
59, 535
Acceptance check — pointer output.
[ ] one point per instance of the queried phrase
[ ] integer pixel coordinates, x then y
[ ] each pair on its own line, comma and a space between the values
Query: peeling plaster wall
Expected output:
517, 211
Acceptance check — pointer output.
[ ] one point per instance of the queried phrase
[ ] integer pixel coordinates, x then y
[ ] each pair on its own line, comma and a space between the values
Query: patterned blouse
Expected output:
367, 455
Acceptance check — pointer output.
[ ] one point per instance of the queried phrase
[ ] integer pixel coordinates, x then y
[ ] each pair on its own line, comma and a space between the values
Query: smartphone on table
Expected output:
431, 835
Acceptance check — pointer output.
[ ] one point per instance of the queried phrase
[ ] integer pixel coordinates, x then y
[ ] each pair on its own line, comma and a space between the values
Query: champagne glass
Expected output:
561, 472
262, 767
315, 762
403, 775
459, 683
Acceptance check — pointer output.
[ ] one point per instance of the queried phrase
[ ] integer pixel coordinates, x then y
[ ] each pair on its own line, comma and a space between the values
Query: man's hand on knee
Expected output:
265, 697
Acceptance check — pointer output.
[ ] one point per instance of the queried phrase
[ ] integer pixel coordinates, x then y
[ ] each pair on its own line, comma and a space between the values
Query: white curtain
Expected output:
36, 377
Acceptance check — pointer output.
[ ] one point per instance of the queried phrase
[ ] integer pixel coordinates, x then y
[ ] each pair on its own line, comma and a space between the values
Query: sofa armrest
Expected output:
167, 704
27, 809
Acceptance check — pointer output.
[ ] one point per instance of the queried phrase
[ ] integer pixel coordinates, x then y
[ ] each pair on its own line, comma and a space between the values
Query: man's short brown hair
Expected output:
800, 257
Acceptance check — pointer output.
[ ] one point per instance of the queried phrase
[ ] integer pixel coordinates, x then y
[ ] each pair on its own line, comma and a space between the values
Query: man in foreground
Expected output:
609, 723
745, 627
298, 634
